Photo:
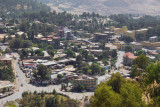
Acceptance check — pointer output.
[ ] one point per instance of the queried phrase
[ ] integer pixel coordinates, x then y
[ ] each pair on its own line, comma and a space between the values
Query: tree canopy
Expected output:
126, 94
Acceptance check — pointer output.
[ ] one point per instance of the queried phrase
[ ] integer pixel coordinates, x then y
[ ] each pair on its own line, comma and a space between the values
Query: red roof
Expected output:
37, 37
56, 37
130, 55
28, 64
154, 53
49, 36
43, 38
37, 21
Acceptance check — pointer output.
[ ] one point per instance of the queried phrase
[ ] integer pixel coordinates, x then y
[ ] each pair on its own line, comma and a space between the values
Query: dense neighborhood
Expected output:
76, 57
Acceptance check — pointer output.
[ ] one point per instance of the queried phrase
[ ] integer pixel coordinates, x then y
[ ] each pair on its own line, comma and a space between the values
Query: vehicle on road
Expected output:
21, 85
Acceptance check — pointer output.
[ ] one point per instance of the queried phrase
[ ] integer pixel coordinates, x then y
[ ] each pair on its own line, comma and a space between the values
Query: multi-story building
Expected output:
106, 36
90, 83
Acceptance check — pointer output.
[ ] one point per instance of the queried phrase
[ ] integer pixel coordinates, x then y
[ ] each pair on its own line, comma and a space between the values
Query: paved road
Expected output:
31, 88
120, 59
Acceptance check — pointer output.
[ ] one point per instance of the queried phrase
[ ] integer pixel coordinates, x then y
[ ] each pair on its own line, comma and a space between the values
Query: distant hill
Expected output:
151, 7
20, 6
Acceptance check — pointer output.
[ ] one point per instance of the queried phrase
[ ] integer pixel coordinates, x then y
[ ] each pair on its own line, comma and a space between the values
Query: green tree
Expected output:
70, 53
104, 96
16, 43
116, 82
128, 49
4, 39
39, 52
85, 54
80, 88
117, 92
60, 76
128, 39
6, 73
51, 52
140, 52
54, 92
79, 60
114, 53
96, 69
102, 44
152, 73
141, 62
50, 47
43, 72
132, 95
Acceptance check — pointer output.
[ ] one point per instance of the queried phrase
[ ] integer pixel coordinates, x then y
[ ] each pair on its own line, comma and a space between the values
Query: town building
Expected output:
158, 49
6, 59
150, 45
119, 31
120, 45
106, 36
130, 33
142, 31
90, 83
128, 58
153, 39
136, 46
2, 25
6, 88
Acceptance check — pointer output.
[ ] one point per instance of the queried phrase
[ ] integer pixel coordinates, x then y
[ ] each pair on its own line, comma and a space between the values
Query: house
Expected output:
142, 31
6, 86
6, 59
120, 45
2, 36
29, 65
152, 53
136, 46
119, 30
158, 49
153, 39
95, 51
150, 45
90, 83
106, 36
128, 58
68, 33
2, 25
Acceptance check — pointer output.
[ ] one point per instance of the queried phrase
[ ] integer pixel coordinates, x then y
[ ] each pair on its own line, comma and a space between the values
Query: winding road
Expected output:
29, 87
21, 79
120, 59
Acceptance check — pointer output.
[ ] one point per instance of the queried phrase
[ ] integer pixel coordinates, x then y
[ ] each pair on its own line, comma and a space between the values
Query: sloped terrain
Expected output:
151, 7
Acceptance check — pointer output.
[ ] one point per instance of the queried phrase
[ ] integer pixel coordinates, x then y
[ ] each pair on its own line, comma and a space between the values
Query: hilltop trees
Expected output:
126, 94
152, 73
139, 66
104, 96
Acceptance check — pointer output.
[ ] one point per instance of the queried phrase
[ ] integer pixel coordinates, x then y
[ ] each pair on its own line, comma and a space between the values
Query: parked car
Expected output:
21, 85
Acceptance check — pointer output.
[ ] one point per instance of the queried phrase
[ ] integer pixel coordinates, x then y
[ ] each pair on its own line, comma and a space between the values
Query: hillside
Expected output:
106, 6
19, 6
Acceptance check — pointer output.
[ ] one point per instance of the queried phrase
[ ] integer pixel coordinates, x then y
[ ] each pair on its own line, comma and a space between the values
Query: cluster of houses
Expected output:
6, 88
